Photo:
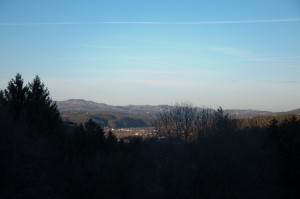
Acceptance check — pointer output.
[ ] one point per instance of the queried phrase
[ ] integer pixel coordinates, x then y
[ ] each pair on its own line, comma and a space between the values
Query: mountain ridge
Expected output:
87, 105
79, 110
84, 105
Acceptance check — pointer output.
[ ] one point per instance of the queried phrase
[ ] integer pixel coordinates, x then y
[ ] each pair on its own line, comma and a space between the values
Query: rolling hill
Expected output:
79, 110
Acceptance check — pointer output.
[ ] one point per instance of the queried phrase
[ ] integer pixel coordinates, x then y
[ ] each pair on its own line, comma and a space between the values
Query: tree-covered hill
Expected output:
110, 119
78, 111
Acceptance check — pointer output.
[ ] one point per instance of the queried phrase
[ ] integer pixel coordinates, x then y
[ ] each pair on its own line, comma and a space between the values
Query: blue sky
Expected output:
234, 54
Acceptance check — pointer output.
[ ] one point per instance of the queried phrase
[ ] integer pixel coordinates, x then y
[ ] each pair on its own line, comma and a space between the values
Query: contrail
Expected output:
153, 22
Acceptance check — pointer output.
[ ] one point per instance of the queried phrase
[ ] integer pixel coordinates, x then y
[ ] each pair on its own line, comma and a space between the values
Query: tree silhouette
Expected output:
221, 122
273, 126
38, 109
16, 92
2, 98
79, 139
43, 110
183, 120
111, 140
163, 123
182, 116
95, 135
203, 122
38, 95
285, 142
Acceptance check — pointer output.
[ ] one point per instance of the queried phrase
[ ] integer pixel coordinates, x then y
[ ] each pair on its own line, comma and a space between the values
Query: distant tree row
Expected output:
262, 121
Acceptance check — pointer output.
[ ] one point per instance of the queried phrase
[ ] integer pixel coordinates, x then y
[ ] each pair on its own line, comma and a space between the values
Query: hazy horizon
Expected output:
238, 55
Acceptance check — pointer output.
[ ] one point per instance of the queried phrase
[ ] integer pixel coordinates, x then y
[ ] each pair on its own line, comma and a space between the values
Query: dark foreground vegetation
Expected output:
200, 154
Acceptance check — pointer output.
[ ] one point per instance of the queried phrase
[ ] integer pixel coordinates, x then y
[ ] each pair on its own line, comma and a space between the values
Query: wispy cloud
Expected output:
255, 21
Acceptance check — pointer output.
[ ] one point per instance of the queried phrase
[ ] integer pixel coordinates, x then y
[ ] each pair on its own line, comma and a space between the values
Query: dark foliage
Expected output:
32, 104
226, 161
111, 140
2, 98
16, 93
42, 110
284, 140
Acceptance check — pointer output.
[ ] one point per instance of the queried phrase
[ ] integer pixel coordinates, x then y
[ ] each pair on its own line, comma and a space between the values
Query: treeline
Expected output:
263, 121
185, 121
200, 153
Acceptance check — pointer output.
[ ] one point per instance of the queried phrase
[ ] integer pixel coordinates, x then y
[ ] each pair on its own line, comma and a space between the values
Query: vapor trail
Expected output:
152, 22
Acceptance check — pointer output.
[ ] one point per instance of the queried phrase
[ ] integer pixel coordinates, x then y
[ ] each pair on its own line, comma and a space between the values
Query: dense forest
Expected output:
199, 153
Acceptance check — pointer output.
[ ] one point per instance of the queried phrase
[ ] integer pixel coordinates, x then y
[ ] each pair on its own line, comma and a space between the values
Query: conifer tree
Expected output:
221, 121
43, 110
16, 92
111, 139
2, 98
95, 135
79, 139
38, 95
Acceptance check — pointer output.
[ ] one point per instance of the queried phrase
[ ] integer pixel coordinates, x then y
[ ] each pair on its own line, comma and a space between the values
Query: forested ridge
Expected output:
132, 116
198, 153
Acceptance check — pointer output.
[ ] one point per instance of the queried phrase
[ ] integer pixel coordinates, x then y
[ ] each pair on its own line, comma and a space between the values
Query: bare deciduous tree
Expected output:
163, 122
177, 120
203, 121
188, 116
183, 120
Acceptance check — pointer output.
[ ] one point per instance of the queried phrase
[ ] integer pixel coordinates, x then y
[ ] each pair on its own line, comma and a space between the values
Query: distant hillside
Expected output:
238, 114
295, 112
249, 113
83, 105
142, 108
78, 110
110, 119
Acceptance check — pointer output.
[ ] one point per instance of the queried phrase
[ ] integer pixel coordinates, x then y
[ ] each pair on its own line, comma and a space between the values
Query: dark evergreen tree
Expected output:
79, 140
221, 121
285, 141
288, 146
111, 140
272, 129
273, 126
38, 95
2, 98
16, 92
95, 135
43, 111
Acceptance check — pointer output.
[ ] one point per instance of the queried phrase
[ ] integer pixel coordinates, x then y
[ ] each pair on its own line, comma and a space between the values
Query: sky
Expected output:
235, 54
